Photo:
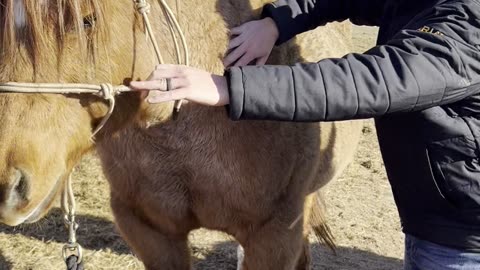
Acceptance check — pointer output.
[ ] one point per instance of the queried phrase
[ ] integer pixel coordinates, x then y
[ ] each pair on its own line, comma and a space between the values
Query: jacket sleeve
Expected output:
293, 17
414, 71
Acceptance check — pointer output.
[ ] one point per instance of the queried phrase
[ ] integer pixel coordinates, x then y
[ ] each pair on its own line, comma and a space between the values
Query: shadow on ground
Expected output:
94, 233
99, 234
4, 263
224, 256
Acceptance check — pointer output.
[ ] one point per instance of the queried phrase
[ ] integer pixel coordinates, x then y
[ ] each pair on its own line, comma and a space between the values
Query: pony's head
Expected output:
43, 136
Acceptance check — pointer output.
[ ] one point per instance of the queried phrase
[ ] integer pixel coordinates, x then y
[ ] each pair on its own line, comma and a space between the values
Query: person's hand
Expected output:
187, 83
253, 41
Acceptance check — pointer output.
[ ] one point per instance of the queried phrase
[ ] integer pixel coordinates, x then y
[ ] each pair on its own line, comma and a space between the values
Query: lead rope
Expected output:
72, 251
143, 7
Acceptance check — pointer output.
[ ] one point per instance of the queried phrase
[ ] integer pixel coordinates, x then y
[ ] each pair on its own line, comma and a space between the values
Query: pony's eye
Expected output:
89, 21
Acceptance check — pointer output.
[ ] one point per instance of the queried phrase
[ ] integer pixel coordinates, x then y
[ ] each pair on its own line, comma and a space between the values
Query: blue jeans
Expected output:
424, 255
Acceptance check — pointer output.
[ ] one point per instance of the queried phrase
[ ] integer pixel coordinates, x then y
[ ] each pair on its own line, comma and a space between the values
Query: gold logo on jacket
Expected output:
431, 30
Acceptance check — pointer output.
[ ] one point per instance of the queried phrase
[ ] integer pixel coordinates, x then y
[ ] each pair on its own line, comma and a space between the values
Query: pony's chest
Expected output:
131, 159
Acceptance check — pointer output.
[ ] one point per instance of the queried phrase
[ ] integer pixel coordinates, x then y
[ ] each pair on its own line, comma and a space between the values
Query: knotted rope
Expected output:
106, 91
72, 251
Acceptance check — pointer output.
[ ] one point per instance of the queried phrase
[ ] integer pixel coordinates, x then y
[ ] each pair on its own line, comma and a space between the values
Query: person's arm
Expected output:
293, 17
284, 19
414, 71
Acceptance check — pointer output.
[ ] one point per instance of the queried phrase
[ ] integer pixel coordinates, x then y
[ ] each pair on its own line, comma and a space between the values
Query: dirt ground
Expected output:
361, 211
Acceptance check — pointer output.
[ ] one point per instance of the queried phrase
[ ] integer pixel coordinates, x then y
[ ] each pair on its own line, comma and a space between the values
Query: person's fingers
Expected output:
234, 55
160, 85
168, 96
237, 30
157, 79
262, 60
149, 85
235, 42
167, 72
168, 66
245, 60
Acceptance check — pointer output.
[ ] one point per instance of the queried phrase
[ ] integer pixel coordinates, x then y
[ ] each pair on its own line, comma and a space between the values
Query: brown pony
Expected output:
253, 180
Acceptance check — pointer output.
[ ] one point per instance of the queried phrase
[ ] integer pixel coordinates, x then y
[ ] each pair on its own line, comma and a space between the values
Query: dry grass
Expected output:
361, 213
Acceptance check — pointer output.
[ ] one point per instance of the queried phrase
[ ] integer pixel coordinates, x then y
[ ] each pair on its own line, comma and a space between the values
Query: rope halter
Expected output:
106, 91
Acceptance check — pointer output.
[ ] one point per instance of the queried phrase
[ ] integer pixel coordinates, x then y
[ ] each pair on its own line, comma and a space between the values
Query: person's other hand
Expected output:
188, 83
251, 41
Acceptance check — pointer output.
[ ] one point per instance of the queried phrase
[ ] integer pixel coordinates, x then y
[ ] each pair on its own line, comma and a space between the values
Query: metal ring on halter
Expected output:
169, 84
72, 249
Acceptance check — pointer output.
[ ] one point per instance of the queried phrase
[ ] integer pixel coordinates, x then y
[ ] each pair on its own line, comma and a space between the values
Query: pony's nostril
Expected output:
21, 185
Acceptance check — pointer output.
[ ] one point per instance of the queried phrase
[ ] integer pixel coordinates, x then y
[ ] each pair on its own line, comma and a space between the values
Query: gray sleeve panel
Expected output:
297, 16
414, 71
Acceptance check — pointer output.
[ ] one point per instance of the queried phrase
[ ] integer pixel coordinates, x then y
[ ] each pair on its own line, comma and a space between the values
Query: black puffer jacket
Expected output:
422, 84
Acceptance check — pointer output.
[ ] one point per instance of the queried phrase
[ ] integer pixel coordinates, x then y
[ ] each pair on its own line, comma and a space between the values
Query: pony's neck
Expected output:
130, 111
194, 122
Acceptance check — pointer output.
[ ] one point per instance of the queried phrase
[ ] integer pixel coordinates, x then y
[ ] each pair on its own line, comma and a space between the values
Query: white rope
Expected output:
106, 91
177, 27
103, 90
69, 210
143, 7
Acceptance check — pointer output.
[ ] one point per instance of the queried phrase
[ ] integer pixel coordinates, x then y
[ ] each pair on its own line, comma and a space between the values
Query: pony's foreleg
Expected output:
304, 260
302, 264
275, 246
156, 250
